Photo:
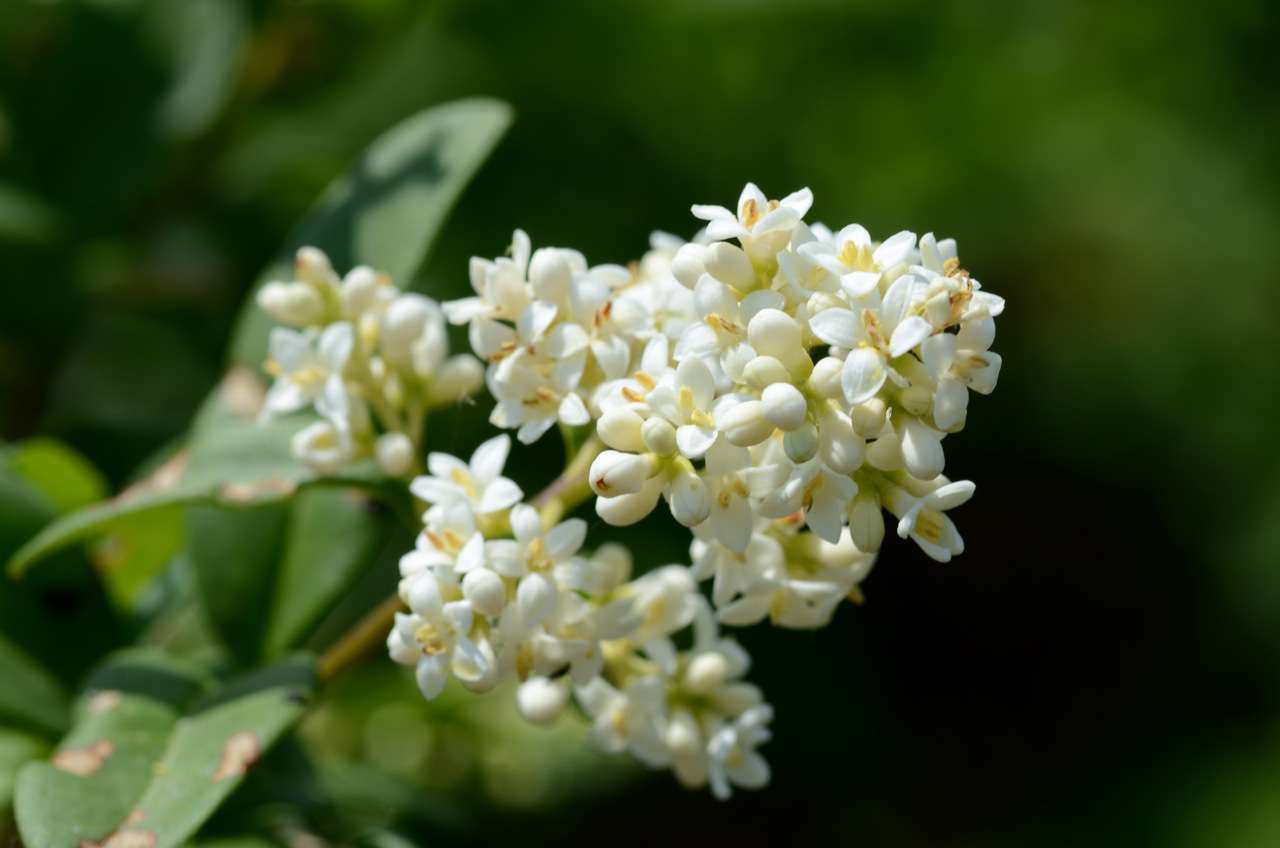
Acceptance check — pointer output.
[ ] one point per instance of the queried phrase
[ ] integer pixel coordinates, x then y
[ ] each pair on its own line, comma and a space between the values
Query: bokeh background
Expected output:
1101, 667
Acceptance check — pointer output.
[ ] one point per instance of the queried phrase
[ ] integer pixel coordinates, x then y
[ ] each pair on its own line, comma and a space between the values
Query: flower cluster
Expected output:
495, 594
369, 359
780, 385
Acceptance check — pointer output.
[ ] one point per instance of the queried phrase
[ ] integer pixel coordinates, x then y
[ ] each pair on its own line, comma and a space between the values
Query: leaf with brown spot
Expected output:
84, 761
240, 752
129, 839
100, 702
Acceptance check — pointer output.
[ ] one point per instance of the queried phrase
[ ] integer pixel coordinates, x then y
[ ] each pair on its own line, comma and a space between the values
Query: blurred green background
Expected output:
1101, 667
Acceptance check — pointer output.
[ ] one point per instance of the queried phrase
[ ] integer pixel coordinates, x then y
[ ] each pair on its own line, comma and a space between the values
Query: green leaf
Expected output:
385, 212
60, 474
150, 757
334, 536
16, 750
28, 695
388, 209
235, 553
267, 574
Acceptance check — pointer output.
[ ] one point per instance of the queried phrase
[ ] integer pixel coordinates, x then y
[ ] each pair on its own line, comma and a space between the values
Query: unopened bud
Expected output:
659, 436
868, 418
616, 473
404, 321
690, 501
360, 291
486, 591
706, 672
541, 700
866, 524
730, 265
784, 406
295, 304
801, 444
765, 370
460, 377
688, 264
395, 454
825, 378
619, 428
745, 425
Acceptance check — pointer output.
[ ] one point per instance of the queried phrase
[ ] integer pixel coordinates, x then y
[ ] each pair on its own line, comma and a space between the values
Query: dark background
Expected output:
1100, 667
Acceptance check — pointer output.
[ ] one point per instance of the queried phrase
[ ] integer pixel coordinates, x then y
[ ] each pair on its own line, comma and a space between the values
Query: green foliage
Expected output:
156, 753
29, 695
157, 744
384, 213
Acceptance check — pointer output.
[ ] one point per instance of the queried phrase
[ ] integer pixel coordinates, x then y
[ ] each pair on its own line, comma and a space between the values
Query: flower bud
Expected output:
688, 266
866, 525
659, 436
706, 673
404, 321
460, 377
922, 450
801, 444
730, 265
842, 449
616, 473
917, 399
619, 428
690, 501
626, 510
683, 738
295, 304
773, 332
312, 267
421, 591
550, 274
541, 700
395, 454
784, 406
536, 597
825, 378
486, 591
868, 418
736, 698
360, 290
745, 425
765, 370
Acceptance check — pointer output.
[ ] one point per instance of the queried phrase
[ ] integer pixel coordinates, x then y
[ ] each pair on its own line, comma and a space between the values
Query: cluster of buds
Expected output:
370, 360
781, 386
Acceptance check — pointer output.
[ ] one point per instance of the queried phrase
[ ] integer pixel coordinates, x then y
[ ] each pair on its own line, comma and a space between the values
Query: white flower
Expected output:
500, 285
532, 556
536, 385
960, 362
760, 225
923, 516
873, 338
436, 636
721, 334
734, 758
303, 362
731, 517
629, 719
479, 483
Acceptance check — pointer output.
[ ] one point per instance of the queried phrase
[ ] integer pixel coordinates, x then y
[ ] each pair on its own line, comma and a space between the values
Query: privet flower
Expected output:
783, 387
370, 360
